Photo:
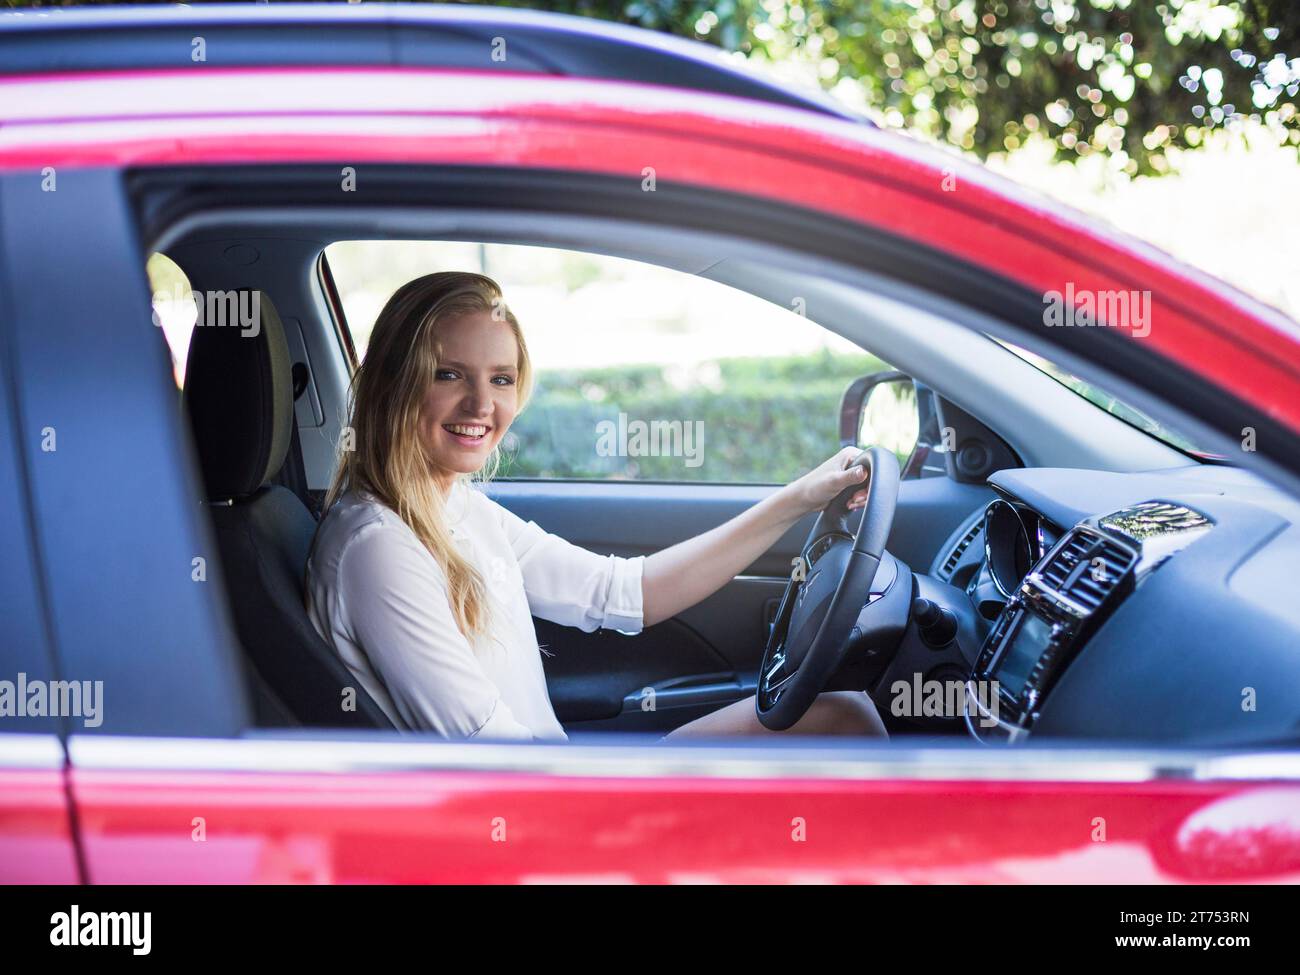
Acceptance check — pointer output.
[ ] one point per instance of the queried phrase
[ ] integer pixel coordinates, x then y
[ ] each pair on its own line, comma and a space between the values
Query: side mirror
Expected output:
931, 436
883, 408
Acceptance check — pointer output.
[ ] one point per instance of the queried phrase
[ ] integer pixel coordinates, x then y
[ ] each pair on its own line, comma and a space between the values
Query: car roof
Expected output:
71, 39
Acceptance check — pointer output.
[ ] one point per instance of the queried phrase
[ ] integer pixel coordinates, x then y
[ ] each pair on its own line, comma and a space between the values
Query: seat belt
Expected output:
293, 475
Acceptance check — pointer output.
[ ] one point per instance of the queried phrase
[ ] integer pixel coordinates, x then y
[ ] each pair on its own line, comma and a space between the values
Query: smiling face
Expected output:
475, 393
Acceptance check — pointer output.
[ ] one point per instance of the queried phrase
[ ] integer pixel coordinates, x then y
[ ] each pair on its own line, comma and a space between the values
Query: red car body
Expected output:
115, 810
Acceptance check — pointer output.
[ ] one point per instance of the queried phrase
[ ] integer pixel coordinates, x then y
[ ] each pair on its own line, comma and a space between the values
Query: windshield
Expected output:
1111, 404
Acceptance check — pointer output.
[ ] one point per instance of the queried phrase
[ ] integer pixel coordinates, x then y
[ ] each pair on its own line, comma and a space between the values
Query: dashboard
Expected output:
1161, 605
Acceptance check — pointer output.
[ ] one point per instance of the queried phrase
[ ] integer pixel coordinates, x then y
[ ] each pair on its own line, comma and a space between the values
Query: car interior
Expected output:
1106, 583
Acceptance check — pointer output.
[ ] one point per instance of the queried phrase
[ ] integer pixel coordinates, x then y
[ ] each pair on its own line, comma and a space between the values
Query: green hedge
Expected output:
763, 419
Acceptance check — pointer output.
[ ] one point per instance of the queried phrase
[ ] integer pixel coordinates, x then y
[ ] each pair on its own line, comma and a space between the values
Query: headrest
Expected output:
239, 395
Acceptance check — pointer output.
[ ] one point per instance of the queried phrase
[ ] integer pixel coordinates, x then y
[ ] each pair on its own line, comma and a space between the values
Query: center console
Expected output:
1058, 604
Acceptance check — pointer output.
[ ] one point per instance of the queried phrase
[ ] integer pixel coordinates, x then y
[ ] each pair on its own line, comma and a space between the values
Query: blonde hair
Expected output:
386, 394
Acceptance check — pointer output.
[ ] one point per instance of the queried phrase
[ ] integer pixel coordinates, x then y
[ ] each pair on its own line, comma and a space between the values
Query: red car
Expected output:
1116, 607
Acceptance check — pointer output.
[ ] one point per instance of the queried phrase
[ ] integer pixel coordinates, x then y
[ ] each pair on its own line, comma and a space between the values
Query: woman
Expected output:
426, 587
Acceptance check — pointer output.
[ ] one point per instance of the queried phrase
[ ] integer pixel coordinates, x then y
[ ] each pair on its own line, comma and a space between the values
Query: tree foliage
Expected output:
1129, 79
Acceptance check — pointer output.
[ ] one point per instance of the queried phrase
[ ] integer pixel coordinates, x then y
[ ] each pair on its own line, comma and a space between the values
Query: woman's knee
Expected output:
848, 713
832, 713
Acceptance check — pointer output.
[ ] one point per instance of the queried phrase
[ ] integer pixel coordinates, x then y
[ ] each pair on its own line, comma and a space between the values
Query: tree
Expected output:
1128, 79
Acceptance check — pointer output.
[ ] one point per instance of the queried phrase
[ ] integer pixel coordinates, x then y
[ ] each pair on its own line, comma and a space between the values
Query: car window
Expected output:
1111, 404
643, 373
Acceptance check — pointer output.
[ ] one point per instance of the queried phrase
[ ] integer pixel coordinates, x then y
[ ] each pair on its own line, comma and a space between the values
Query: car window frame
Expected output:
110, 505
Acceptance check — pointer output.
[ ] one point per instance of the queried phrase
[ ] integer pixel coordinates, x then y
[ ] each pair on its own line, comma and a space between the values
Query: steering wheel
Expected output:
822, 602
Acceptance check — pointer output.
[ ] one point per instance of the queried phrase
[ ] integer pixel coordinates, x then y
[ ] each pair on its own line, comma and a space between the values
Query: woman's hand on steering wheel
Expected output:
830, 589
821, 485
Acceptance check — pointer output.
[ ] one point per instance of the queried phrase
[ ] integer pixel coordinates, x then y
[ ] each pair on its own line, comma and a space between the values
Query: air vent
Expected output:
1059, 569
1087, 568
954, 557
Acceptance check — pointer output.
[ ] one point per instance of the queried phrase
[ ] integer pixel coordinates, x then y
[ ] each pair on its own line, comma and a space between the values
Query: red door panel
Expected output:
36, 844
407, 827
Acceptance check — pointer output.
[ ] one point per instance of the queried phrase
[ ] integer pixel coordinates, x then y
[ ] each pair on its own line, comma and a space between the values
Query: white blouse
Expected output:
377, 595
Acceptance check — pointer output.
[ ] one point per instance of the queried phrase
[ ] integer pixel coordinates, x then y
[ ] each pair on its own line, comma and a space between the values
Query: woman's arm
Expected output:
682, 575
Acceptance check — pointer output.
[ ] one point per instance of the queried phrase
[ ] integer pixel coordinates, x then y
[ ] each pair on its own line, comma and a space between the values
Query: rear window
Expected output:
174, 311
